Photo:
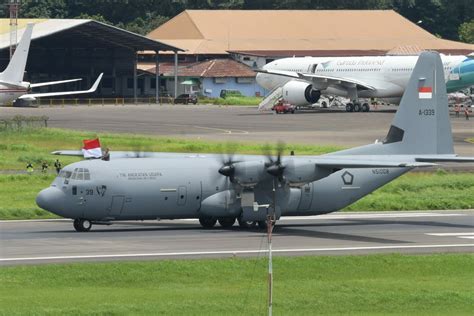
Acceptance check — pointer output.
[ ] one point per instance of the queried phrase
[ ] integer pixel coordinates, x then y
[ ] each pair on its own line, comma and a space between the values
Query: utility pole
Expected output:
270, 220
14, 6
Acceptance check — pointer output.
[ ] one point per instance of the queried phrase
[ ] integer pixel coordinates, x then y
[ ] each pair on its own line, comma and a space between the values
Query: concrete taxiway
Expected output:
236, 123
46, 241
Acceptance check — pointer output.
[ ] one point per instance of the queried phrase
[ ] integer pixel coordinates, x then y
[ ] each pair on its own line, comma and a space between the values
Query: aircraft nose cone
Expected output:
50, 199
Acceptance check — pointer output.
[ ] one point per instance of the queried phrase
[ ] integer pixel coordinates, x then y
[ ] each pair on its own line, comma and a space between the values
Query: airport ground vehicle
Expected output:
186, 98
283, 108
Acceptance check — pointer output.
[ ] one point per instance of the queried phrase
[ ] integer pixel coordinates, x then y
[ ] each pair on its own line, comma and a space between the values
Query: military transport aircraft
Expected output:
12, 86
216, 188
301, 80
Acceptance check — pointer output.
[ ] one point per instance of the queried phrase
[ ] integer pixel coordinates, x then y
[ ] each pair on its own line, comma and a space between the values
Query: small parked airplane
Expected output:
12, 86
215, 188
301, 81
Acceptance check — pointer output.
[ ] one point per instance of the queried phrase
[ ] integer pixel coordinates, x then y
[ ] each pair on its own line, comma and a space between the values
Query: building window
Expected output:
220, 80
244, 80
152, 83
246, 58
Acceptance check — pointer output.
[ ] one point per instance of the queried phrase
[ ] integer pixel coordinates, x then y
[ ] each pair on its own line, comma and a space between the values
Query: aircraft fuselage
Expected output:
192, 187
388, 74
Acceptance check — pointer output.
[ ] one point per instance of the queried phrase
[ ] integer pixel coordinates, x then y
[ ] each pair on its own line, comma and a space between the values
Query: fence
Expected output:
102, 101
19, 122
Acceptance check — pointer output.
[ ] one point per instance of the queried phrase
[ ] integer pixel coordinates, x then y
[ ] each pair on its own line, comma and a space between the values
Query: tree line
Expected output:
449, 19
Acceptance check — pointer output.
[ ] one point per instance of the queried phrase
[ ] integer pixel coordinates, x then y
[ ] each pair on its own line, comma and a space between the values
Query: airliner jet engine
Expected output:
300, 93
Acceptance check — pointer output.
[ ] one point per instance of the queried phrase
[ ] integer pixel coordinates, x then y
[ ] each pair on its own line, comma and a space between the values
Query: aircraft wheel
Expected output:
82, 225
349, 107
227, 222
357, 107
324, 104
247, 224
207, 222
365, 107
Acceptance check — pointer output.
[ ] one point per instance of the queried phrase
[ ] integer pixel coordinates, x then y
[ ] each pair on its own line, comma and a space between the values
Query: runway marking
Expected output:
468, 235
231, 252
451, 234
224, 131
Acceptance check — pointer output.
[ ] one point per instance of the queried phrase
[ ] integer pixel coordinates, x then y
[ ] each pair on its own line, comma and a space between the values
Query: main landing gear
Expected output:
227, 222
82, 225
357, 107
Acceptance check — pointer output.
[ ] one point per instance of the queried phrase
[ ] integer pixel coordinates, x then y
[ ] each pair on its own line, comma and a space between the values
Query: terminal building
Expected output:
257, 37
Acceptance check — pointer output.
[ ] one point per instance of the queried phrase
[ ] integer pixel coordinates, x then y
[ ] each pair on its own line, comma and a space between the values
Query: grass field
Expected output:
35, 145
340, 285
232, 100
414, 191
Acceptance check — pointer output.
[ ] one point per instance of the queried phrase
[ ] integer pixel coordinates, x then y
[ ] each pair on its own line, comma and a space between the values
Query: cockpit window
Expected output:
65, 174
81, 174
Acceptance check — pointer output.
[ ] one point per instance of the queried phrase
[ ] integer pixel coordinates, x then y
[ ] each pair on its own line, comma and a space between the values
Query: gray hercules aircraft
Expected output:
215, 188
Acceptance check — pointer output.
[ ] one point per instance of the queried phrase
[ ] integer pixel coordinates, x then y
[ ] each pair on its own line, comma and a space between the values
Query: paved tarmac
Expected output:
234, 123
34, 242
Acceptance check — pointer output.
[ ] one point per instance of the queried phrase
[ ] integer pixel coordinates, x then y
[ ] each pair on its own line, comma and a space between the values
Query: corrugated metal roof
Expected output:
220, 31
88, 28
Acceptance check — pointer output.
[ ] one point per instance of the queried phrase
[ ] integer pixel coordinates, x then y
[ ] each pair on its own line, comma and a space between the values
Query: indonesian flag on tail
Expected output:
92, 148
425, 93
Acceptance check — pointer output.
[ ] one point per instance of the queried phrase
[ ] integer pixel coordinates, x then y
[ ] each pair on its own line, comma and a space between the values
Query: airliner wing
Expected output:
32, 96
50, 83
336, 81
342, 82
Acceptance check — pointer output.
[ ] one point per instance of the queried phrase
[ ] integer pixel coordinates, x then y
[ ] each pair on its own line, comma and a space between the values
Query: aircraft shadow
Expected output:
286, 231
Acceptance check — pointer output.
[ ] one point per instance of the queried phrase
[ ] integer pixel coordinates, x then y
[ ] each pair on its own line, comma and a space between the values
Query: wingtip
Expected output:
96, 83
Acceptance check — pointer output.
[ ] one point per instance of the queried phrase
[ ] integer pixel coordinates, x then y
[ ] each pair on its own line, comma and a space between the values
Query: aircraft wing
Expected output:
32, 96
341, 82
372, 164
50, 83
444, 159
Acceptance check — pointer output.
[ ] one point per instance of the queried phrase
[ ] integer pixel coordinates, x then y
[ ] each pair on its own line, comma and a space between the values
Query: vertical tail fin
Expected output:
421, 124
16, 68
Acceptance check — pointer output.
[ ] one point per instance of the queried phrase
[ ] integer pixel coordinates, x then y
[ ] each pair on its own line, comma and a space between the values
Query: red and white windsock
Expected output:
425, 92
92, 148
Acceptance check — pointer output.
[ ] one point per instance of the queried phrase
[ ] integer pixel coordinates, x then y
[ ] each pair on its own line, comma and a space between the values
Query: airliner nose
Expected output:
50, 199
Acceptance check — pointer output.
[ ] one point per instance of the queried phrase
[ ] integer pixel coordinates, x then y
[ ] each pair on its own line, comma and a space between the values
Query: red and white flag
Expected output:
425, 93
92, 148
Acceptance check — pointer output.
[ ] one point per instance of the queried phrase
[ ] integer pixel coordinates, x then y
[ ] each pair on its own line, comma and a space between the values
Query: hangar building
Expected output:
81, 48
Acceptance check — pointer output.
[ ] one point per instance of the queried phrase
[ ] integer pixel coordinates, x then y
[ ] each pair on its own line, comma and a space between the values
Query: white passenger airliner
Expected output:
12, 86
302, 80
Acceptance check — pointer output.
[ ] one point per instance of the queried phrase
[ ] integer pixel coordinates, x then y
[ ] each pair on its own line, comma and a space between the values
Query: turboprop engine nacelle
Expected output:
300, 93
299, 173
221, 204
249, 173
